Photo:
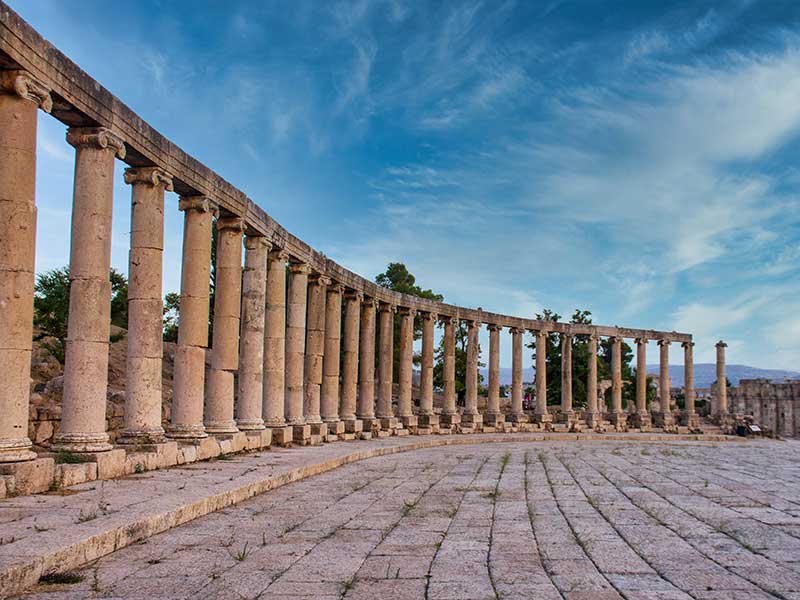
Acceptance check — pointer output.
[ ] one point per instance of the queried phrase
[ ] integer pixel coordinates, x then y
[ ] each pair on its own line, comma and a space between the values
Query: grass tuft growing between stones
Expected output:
65, 578
72, 458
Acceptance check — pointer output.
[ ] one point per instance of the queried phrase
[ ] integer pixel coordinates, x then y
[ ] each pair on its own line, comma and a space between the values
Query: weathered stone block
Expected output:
110, 464
32, 476
259, 439
73, 474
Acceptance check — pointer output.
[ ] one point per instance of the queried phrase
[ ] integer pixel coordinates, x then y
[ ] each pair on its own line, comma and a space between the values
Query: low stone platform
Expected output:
62, 531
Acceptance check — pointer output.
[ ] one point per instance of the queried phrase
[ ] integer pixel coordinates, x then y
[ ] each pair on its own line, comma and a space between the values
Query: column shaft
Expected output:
275, 341
641, 375
688, 383
663, 379
593, 413
449, 370
566, 377
493, 407
366, 361
352, 334
225, 335
315, 347
385, 362
330, 362
722, 381
190, 353
517, 412
83, 410
406, 365
616, 379
145, 309
541, 413
249, 403
471, 384
295, 342
20, 98
426, 372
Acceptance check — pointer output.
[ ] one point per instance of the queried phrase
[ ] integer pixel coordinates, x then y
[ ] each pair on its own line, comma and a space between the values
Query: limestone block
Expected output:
208, 447
92, 312
110, 464
320, 429
301, 434
16, 331
256, 440
32, 476
67, 475
22, 220
187, 453
336, 427
424, 431
282, 436
353, 426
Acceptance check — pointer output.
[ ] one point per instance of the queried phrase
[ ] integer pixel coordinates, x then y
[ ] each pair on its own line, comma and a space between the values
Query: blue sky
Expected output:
636, 159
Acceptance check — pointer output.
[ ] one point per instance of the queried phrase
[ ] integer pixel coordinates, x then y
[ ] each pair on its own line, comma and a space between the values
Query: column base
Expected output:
568, 417
281, 435
142, 437
690, 420
301, 434
410, 422
640, 420
618, 420
371, 424
496, 420
473, 419
258, 438
187, 432
450, 422
353, 428
428, 421
389, 423
664, 419
517, 418
221, 427
250, 425
81, 442
16, 450
594, 419
320, 429
542, 418
335, 431
29, 476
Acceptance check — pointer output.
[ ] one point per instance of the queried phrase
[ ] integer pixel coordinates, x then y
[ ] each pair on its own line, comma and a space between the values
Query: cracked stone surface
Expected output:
593, 520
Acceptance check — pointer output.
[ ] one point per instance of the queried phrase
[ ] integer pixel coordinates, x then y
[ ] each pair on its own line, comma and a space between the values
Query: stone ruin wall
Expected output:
774, 406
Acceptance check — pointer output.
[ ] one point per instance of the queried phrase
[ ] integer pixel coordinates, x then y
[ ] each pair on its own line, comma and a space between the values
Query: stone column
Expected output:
315, 352
329, 402
385, 368
541, 415
366, 368
566, 415
20, 98
663, 417
690, 416
145, 308
405, 376
225, 335
517, 412
617, 417
83, 409
640, 417
296, 301
449, 417
427, 418
470, 417
352, 334
593, 416
275, 349
721, 411
190, 353
494, 417
249, 407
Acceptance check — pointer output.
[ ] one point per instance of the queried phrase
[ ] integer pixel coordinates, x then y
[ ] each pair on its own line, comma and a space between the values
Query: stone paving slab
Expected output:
60, 532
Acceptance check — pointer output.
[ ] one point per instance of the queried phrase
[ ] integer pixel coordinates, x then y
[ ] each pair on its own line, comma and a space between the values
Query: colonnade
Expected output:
294, 335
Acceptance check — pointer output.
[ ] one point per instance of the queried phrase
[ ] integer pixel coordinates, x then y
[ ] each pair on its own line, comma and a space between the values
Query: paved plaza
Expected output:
571, 520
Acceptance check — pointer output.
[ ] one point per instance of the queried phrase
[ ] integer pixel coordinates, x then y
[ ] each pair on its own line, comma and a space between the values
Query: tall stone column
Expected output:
83, 410
541, 415
296, 303
329, 402
470, 417
663, 417
366, 368
352, 335
617, 417
225, 335
275, 349
449, 417
640, 417
190, 353
517, 411
249, 403
142, 424
690, 416
722, 383
315, 352
385, 367
494, 417
427, 418
405, 377
566, 415
20, 98
593, 415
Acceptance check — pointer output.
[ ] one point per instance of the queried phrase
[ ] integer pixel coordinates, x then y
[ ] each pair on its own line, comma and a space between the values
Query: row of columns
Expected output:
277, 324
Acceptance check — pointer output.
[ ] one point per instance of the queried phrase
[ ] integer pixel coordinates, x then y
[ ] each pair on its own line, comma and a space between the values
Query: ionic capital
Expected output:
515, 330
152, 176
428, 316
387, 307
96, 137
664, 342
334, 287
566, 336
299, 268
406, 311
201, 204
494, 327
24, 85
446, 319
257, 242
353, 295
319, 279
234, 224
641, 341
687, 345
278, 255
368, 302
721, 344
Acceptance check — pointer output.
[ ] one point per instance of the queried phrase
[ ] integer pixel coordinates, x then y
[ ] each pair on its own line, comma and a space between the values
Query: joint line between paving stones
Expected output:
503, 464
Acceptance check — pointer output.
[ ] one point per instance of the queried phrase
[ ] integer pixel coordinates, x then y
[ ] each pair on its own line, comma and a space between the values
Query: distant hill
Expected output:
704, 374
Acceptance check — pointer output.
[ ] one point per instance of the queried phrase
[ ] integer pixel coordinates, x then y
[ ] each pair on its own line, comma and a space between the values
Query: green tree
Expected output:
397, 278
171, 314
462, 337
553, 360
51, 306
